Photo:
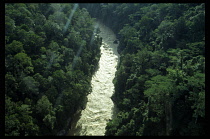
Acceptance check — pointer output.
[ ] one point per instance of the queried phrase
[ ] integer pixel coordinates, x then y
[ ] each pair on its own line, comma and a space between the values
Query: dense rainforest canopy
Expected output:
160, 81
50, 57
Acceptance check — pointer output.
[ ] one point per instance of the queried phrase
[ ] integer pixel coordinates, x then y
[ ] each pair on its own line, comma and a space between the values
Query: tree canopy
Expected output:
160, 80
50, 57
42, 76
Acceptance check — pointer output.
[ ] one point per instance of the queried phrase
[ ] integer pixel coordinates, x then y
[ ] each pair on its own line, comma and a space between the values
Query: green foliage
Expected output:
23, 63
14, 48
29, 87
11, 85
19, 120
196, 84
162, 68
159, 83
49, 121
9, 25
43, 106
44, 65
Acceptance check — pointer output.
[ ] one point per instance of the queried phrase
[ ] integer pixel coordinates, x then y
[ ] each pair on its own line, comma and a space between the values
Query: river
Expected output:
100, 108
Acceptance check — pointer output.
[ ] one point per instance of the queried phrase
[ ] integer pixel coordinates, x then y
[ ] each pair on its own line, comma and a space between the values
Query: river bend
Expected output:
99, 108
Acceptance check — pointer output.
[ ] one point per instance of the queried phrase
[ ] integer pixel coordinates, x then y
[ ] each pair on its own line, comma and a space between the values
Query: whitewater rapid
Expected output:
99, 109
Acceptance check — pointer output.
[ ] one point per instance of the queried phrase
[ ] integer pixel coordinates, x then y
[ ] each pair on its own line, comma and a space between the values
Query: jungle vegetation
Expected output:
50, 59
160, 81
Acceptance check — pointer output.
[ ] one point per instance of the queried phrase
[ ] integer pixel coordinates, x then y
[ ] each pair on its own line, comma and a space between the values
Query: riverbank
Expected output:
99, 109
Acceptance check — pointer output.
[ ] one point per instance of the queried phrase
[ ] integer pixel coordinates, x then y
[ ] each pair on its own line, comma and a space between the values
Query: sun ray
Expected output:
70, 17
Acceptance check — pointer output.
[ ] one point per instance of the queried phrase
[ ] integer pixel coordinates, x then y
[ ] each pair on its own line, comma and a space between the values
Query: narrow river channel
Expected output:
99, 109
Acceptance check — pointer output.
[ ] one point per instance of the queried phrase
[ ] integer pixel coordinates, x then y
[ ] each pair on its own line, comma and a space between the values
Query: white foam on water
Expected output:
99, 108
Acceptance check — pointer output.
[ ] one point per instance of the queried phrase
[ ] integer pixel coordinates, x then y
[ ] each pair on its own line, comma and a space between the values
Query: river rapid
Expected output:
100, 108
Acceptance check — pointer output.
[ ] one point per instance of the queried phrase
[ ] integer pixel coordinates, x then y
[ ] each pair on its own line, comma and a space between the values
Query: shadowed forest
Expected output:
53, 50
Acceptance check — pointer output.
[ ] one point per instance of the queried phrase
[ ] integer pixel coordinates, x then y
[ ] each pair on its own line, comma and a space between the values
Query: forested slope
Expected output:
160, 81
50, 57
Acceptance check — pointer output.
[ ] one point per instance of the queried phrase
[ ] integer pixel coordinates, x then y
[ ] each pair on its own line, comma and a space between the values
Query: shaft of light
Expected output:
70, 17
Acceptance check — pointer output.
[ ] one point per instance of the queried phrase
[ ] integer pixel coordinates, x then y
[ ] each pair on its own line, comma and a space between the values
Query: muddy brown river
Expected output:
100, 108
